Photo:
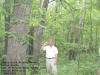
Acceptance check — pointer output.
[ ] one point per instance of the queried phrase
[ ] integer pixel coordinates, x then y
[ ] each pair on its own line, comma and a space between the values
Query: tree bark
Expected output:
38, 31
99, 71
16, 52
79, 31
72, 28
91, 34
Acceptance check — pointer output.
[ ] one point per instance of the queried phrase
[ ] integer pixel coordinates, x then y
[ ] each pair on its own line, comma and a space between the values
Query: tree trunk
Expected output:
79, 31
96, 42
36, 48
73, 27
16, 52
91, 34
71, 55
99, 71
31, 33
38, 31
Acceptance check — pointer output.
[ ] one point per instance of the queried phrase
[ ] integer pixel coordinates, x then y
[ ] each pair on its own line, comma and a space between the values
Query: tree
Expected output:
38, 31
16, 52
91, 30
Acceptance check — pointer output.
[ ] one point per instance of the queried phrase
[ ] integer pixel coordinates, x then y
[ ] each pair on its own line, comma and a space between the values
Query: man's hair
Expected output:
50, 39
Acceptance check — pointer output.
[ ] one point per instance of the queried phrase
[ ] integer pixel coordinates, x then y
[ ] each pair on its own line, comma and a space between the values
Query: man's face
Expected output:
50, 42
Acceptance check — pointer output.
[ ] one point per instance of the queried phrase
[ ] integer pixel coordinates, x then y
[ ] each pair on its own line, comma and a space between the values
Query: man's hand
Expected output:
55, 59
55, 63
45, 44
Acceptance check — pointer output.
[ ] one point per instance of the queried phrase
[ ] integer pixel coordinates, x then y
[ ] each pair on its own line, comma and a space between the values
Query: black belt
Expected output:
51, 58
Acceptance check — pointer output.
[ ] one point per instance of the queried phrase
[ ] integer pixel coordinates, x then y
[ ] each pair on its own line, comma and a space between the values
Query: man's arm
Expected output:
42, 48
56, 59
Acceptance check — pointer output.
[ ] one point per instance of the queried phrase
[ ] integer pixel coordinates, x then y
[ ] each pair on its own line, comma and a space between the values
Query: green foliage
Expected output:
4, 57
26, 39
76, 47
12, 35
58, 25
85, 64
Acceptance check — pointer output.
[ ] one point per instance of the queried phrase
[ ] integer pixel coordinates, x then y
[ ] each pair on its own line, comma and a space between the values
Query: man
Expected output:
51, 56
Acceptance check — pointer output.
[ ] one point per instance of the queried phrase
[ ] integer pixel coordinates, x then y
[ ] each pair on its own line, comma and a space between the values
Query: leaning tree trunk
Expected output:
16, 52
36, 48
38, 31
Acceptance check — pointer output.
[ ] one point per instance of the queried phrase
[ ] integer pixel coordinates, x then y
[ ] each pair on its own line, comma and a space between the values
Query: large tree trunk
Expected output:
16, 52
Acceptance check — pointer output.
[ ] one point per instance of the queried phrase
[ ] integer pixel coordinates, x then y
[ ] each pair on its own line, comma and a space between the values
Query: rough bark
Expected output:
16, 52
37, 44
73, 27
38, 31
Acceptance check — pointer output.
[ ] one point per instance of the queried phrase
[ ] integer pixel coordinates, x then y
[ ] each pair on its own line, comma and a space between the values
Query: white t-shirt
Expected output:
50, 51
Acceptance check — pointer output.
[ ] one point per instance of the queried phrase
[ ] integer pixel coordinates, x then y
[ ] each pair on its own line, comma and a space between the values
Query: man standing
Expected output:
51, 56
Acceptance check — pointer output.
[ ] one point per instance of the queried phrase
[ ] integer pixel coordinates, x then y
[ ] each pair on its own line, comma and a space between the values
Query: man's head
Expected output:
51, 42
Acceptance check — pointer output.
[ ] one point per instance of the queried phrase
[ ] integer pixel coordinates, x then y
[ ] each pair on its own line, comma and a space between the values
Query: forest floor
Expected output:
84, 64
